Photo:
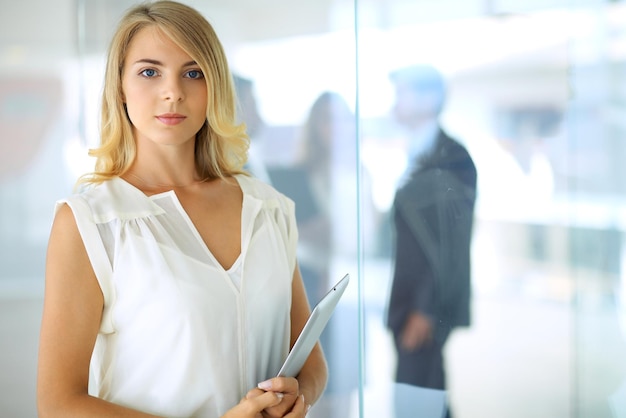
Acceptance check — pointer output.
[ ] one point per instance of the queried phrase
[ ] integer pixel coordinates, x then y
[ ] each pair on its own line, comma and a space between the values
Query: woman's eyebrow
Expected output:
157, 62
148, 61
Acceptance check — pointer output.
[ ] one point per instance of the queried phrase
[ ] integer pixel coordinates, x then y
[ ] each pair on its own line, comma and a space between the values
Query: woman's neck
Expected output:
160, 182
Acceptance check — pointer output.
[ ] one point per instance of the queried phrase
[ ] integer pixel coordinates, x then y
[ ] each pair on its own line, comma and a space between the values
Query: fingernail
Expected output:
265, 385
280, 395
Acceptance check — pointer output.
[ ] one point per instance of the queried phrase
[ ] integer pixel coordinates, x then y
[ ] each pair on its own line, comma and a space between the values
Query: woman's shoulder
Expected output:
258, 188
263, 191
114, 198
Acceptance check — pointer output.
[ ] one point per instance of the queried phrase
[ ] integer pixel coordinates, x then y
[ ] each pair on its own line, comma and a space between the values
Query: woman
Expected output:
172, 287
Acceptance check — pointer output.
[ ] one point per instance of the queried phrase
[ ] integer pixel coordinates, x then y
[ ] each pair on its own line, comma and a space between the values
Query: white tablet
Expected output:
313, 329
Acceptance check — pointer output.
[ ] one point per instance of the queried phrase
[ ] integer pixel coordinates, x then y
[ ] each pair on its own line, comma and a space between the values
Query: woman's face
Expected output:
164, 90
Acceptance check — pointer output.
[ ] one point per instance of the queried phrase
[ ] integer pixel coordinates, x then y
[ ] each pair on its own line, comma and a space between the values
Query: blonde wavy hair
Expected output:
221, 144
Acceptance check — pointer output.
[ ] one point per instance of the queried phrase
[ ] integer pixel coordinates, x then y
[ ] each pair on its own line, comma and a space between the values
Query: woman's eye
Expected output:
194, 74
148, 72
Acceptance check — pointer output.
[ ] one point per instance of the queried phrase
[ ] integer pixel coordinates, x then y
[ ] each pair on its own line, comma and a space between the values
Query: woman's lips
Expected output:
171, 118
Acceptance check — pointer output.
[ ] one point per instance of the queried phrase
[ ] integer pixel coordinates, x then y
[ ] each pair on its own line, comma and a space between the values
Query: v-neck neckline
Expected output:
246, 221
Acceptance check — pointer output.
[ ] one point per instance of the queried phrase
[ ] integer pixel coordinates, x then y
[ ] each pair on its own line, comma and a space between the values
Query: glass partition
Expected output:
534, 92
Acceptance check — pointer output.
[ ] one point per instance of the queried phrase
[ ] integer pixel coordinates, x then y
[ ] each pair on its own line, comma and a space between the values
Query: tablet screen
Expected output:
313, 329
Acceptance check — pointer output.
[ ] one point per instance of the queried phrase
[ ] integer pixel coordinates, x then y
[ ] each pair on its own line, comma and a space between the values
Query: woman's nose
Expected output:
173, 90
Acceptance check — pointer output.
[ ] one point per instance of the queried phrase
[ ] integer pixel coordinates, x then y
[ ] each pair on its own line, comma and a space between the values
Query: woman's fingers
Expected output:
299, 409
286, 385
264, 400
253, 403
289, 387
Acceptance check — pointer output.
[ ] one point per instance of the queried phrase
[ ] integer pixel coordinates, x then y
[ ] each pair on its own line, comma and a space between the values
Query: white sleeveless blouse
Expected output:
180, 336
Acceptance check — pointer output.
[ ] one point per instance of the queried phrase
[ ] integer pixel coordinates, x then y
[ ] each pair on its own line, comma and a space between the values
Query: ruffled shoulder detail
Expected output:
271, 197
118, 199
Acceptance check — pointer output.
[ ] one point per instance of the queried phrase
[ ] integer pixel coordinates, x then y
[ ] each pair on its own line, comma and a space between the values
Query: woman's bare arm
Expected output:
73, 304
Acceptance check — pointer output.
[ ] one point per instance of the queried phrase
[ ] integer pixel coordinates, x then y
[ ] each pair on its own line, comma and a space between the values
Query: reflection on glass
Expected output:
530, 102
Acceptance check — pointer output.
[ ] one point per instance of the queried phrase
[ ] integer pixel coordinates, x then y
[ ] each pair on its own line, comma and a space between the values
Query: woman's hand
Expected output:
292, 404
253, 403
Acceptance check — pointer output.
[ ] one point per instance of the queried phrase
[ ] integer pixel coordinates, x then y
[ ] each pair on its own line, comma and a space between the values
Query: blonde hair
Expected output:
221, 144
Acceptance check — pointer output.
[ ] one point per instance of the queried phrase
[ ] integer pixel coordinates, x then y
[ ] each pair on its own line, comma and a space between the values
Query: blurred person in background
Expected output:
432, 214
172, 283
248, 113
324, 161
327, 125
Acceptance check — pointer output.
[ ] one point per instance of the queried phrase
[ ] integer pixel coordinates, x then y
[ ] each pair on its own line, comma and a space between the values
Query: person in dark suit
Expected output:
432, 216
